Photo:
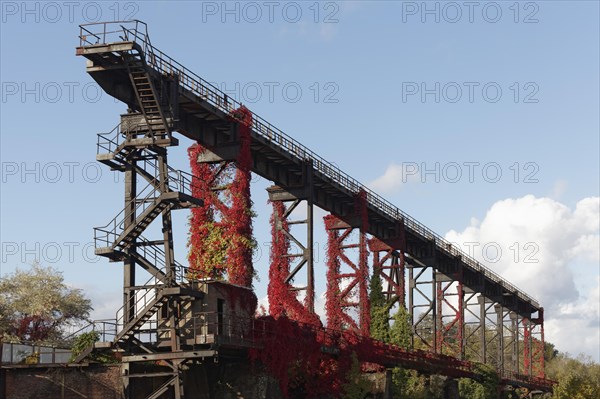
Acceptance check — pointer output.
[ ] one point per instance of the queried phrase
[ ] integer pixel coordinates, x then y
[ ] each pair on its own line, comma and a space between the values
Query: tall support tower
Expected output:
154, 284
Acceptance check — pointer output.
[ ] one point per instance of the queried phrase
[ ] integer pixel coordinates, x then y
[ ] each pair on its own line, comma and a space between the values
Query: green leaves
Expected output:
380, 326
577, 378
357, 386
401, 330
36, 303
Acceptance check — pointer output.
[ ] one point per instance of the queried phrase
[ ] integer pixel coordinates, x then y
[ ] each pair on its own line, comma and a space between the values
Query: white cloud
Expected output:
581, 318
394, 177
554, 259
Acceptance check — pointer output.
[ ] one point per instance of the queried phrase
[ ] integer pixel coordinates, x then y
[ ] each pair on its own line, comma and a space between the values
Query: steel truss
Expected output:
390, 264
288, 262
422, 305
450, 314
347, 287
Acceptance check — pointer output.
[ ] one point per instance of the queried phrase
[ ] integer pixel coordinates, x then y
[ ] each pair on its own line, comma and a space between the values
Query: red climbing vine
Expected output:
239, 215
283, 301
363, 263
333, 300
220, 238
280, 264
355, 293
294, 354
206, 242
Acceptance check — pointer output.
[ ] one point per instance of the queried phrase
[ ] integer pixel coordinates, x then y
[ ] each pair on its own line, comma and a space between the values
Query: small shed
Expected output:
223, 314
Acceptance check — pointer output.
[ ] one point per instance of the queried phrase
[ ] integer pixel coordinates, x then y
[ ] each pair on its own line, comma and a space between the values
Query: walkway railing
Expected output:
30, 354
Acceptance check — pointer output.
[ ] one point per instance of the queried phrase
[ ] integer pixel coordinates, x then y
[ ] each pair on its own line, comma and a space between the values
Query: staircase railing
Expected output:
177, 181
180, 181
106, 235
136, 31
106, 329
156, 255
110, 142
144, 295
148, 292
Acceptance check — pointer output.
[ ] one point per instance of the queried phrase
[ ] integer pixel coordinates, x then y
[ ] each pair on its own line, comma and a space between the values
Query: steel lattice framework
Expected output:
460, 311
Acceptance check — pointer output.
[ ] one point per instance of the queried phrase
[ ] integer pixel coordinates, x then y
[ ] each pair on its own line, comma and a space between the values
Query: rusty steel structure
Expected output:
460, 311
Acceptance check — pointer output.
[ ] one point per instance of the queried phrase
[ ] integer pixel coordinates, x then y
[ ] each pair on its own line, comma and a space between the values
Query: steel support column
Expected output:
508, 351
129, 220
489, 332
515, 337
471, 343
423, 324
450, 313
500, 333
225, 189
539, 345
347, 290
389, 262
527, 343
283, 274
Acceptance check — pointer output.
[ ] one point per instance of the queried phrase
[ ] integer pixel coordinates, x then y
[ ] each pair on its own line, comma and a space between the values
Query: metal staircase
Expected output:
146, 94
141, 318
137, 147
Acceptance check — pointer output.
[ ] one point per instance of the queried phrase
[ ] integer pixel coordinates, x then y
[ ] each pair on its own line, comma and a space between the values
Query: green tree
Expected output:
485, 388
380, 325
577, 378
36, 304
407, 384
470, 389
550, 351
401, 330
356, 387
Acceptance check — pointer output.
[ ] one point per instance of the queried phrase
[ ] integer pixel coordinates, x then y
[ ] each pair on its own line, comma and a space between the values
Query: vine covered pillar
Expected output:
347, 280
538, 361
291, 253
221, 242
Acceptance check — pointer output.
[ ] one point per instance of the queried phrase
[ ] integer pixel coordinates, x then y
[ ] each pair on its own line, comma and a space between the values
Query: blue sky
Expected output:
386, 90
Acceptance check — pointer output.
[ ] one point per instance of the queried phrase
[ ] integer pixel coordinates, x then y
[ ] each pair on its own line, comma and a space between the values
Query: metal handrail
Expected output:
205, 90
111, 141
153, 286
177, 181
105, 327
180, 181
108, 233
157, 255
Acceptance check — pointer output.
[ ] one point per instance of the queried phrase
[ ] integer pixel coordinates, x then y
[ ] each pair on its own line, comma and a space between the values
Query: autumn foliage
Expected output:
283, 301
220, 239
